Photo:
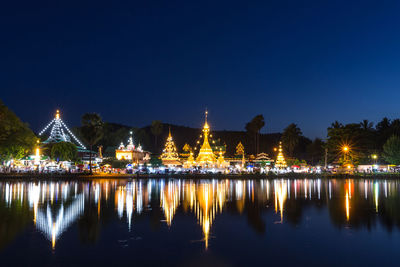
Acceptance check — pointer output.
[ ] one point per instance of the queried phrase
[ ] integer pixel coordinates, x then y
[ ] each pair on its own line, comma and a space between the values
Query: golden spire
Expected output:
206, 155
57, 114
170, 154
280, 160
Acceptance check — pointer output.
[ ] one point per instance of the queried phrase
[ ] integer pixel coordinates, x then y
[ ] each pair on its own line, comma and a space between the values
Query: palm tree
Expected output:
291, 137
92, 131
156, 130
336, 125
367, 125
254, 127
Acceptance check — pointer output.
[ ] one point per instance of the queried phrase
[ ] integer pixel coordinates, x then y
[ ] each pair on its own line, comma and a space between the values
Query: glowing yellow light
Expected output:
347, 206
53, 236
376, 189
206, 155
345, 149
280, 197
57, 114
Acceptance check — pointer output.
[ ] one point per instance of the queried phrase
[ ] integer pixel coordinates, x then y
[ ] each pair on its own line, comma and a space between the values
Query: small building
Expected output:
131, 152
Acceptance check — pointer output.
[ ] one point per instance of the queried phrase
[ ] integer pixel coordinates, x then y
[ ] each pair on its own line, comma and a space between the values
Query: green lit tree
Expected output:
64, 151
16, 139
391, 150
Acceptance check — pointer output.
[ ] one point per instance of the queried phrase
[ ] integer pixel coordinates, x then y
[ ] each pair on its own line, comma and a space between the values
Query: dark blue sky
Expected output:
307, 62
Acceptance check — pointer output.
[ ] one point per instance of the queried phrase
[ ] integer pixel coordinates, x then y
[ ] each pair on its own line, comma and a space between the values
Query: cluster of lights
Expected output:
73, 136
58, 125
169, 152
280, 160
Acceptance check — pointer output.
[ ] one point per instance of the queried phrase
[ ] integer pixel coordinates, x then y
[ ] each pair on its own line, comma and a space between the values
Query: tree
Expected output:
391, 150
156, 130
291, 137
367, 125
315, 151
16, 139
359, 137
64, 151
254, 127
92, 131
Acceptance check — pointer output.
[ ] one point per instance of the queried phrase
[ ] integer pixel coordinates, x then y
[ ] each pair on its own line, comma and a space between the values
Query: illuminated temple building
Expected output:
131, 152
206, 157
169, 156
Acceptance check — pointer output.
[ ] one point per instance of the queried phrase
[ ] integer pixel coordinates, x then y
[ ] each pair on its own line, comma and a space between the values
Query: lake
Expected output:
183, 222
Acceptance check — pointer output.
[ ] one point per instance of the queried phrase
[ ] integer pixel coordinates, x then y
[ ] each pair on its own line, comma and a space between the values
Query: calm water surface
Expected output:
200, 222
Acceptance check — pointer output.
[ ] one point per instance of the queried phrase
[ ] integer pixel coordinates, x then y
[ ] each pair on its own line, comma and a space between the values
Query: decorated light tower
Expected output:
280, 160
170, 155
240, 151
60, 132
206, 155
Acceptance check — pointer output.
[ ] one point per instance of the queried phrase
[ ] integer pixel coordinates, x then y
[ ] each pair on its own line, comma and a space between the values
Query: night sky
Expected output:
310, 63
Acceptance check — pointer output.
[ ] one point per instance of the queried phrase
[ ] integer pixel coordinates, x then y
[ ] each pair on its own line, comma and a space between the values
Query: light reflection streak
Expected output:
347, 206
57, 205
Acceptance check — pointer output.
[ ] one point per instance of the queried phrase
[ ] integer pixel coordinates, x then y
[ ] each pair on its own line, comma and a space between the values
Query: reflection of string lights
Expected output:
51, 228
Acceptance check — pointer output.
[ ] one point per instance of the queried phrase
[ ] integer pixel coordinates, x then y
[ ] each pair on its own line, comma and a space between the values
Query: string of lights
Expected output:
57, 133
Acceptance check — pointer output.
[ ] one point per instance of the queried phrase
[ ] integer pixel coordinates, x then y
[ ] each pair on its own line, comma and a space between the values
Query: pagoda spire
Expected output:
169, 155
206, 155
280, 160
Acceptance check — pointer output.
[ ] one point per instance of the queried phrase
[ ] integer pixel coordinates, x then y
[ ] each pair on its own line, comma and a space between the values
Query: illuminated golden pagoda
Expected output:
170, 155
186, 150
240, 151
206, 156
221, 163
190, 161
280, 160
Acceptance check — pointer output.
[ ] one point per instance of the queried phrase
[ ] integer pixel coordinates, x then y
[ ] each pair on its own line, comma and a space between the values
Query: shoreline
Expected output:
81, 176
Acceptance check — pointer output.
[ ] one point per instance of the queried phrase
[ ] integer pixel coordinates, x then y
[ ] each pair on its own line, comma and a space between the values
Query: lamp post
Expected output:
37, 155
375, 158
345, 150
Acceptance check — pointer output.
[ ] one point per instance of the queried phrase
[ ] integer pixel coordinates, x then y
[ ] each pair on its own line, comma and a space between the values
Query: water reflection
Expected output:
52, 207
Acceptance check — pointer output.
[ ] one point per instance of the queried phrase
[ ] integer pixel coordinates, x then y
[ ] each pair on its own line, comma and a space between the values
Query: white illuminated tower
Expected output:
60, 132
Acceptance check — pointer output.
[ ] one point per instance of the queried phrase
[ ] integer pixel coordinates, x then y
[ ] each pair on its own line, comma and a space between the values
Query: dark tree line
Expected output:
364, 140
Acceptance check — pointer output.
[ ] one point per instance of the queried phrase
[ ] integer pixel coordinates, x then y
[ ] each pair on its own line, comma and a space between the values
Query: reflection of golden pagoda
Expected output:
169, 197
280, 160
206, 156
209, 200
169, 156
280, 193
